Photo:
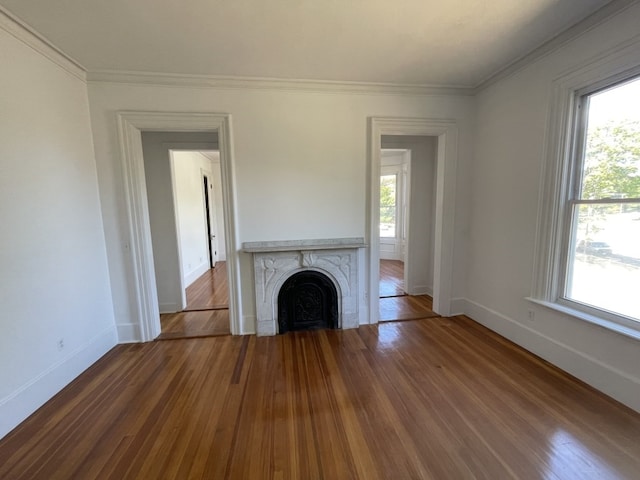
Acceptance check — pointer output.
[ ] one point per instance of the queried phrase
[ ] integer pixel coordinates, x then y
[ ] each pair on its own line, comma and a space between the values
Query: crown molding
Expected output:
27, 35
588, 23
259, 83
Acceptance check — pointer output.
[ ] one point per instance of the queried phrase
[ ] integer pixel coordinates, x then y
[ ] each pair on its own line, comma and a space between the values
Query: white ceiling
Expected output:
420, 42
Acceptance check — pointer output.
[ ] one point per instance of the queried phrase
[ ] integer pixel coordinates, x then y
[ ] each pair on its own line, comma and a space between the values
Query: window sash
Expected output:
573, 201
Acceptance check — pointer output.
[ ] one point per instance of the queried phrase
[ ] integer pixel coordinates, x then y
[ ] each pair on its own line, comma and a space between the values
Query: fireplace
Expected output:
308, 300
329, 265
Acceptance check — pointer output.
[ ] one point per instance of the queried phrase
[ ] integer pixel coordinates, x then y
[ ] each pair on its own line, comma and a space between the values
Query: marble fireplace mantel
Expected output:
275, 261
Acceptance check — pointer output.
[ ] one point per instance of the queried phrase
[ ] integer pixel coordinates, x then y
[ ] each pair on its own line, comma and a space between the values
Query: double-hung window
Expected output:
603, 210
588, 256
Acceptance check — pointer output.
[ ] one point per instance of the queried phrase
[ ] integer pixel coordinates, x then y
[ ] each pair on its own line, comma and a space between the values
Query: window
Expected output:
388, 205
587, 258
603, 209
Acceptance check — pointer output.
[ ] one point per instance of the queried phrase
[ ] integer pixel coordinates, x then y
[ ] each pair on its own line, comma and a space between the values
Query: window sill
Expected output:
601, 322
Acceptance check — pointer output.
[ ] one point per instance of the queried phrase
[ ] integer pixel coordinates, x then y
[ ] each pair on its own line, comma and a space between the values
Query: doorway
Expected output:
131, 125
407, 171
395, 182
438, 250
193, 298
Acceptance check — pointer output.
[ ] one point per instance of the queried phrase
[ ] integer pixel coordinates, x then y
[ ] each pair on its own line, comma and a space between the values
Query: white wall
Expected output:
188, 168
300, 164
421, 212
54, 284
162, 219
511, 123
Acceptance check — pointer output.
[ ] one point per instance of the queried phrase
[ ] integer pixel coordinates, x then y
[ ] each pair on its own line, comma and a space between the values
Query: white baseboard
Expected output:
196, 273
609, 380
18, 405
170, 308
458, 306
128, 333
421, 290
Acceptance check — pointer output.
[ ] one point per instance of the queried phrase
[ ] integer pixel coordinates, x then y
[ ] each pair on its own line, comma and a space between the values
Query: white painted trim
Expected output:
19, 404
27, 35
170, 308
613, 326
130, 126
587, 24
458, 306
128, 332
406, 222
196, 273
260, 83
606, 378
420, 290
446, 160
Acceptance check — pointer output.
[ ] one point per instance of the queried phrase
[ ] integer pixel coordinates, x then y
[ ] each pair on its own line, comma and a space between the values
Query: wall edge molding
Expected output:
552, 45
260, 83
30, 37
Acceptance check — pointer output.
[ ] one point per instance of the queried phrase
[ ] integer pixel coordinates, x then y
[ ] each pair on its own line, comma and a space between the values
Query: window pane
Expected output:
388, 187
611, 166
604, 263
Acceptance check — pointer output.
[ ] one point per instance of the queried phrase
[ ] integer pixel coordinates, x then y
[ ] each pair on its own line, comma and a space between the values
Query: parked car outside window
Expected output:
601, 249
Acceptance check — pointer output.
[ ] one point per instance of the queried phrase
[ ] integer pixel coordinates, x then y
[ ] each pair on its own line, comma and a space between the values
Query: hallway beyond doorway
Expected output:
210, 291
207, 312
394, 303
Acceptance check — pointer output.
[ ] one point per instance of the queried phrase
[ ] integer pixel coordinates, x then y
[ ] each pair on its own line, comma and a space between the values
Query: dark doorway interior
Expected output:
207, 207
308, 300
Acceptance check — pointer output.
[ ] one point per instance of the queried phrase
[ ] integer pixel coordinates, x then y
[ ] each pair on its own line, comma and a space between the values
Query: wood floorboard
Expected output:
395, 305
391, 278
408, 307
206, 293
210, 290
207, 312
437, 398
199, 323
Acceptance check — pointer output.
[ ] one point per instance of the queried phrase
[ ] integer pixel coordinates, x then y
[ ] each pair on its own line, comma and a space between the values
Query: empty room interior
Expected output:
320, 240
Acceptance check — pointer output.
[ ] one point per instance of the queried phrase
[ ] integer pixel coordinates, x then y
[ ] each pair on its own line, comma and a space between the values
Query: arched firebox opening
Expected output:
307, 300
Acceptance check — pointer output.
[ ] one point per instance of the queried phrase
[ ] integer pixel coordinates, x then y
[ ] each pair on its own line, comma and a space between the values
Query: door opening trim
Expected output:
130, 127
446, 132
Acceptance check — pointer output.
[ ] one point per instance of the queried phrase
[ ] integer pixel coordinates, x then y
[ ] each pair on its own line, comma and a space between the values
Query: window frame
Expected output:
560, 184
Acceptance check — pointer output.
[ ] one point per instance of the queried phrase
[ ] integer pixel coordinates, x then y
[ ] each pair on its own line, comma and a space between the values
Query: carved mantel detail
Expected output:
275, 262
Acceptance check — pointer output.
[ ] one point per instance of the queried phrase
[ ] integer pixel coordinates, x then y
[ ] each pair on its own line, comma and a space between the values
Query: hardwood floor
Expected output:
201, 323
428, 399
391, 278
209, 291
394, 303
408, 307
207, 312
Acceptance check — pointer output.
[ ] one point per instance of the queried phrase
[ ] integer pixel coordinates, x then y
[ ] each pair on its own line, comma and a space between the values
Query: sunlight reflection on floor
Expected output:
388, 336
569, 458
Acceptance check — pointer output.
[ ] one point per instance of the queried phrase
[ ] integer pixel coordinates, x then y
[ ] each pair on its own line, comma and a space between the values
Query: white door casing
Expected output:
130, 126
446, 132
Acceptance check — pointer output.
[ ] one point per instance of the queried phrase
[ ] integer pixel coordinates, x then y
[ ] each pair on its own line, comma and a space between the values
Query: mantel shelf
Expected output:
303, 245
